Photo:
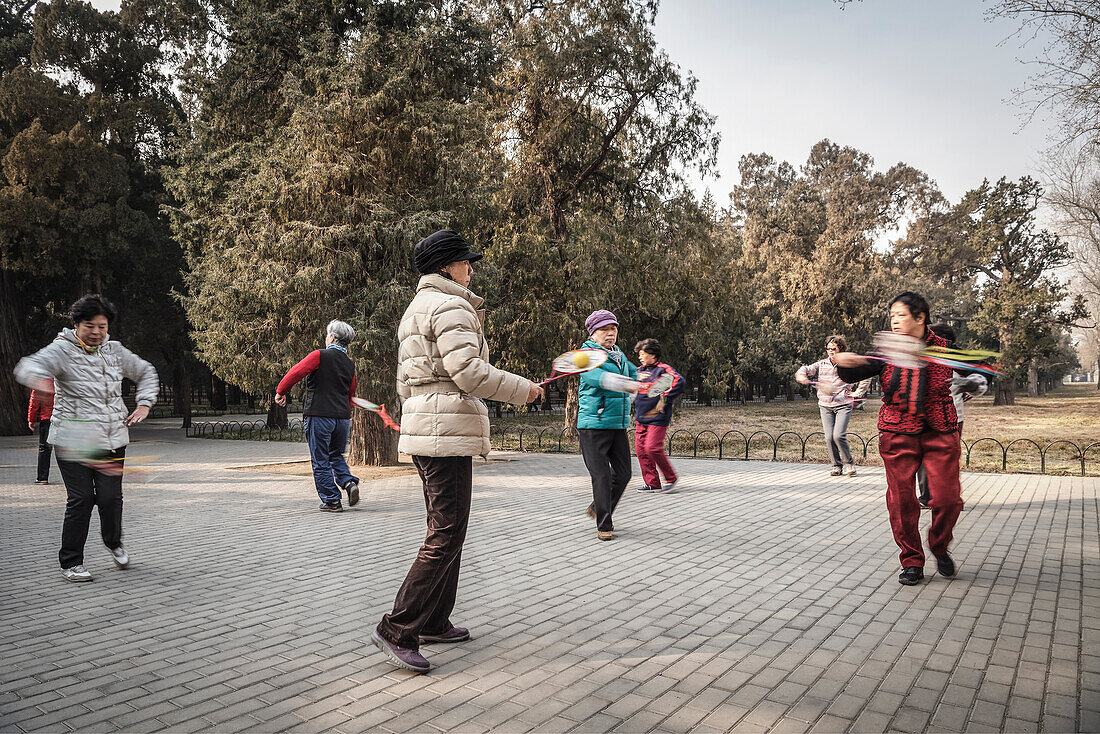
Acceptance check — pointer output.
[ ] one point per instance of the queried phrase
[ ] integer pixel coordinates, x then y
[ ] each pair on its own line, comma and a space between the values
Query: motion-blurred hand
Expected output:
140, 413
848, 359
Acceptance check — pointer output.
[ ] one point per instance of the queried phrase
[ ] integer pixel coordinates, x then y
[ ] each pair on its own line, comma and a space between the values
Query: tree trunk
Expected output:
181, 392
233, 396
276, 414
1006, 392
1033, 378
13, 398
572, 407
1006, 387
217, 393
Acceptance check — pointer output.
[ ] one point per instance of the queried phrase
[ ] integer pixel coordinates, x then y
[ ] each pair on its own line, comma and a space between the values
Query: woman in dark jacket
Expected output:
917, 422
603, 418
653, 414
39, 413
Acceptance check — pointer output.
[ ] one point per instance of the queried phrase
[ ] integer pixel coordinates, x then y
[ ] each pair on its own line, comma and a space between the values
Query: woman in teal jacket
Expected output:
603, 420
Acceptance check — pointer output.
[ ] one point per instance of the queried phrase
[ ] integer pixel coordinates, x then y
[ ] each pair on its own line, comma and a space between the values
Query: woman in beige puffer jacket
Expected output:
442, 377
444, 373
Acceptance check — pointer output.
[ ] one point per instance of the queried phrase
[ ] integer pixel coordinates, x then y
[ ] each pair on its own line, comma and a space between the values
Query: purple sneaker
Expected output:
403, 656
454, 634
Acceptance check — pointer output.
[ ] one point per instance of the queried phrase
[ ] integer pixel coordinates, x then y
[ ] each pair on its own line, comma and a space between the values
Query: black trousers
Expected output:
607, 455
89, 487
427, 597
44, 451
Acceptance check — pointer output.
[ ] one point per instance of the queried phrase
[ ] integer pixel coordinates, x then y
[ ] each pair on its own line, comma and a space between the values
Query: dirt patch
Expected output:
305, 469
364, 472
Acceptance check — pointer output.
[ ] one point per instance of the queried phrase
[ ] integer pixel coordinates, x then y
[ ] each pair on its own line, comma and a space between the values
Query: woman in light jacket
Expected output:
835, 400
89, 424
442, 377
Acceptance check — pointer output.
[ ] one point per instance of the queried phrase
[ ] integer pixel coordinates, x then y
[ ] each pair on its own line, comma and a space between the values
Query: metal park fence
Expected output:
256, 430
1022, 455
983, 454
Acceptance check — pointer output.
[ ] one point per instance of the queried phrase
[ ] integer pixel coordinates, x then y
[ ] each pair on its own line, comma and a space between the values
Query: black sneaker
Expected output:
924, 505
331, 507
646, 488
945, 565
911, 575
352, 488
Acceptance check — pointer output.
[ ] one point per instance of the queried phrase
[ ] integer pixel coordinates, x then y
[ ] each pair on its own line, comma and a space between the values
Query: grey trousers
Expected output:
834, 422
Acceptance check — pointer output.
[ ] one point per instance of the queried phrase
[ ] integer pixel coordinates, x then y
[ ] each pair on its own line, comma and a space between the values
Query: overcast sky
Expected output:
927, 82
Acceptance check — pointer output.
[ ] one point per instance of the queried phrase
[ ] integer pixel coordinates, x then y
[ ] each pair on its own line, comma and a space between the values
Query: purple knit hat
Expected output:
599, 319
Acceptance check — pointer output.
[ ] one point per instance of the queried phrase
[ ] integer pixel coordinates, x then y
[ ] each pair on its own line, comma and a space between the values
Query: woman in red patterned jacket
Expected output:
917, 423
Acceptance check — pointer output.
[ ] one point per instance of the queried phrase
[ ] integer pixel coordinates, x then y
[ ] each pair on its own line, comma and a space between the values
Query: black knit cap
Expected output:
442, 248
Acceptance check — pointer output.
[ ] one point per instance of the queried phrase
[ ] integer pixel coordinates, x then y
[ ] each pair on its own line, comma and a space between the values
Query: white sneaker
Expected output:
76, 573
669, 487
851, 470
119, 556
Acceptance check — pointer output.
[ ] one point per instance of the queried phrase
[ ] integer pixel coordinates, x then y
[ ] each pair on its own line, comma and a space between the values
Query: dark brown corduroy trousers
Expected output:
427, 597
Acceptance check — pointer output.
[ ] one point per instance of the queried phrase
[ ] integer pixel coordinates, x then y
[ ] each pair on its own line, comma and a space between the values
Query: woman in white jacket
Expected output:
442, 377
89, 425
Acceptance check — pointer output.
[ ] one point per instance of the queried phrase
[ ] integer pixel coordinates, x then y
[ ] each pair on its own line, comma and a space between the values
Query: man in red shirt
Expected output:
330, 384
39, 413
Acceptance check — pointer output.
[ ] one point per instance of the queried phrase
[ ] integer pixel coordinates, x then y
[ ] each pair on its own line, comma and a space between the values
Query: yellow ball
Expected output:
580, 359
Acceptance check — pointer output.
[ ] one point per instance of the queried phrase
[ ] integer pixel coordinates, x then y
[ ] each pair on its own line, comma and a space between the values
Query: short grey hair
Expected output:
341, 332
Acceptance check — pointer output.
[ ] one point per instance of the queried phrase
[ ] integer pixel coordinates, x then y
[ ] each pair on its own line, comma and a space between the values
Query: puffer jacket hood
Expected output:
88, 412
443, 373
600, 408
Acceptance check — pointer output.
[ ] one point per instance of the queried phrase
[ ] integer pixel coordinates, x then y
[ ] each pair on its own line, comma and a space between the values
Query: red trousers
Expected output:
902, 454
649, 444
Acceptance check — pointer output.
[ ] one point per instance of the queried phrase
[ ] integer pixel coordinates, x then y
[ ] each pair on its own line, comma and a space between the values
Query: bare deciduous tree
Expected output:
1068, 75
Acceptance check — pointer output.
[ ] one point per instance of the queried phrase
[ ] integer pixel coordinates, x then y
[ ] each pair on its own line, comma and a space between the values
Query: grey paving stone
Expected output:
697, 617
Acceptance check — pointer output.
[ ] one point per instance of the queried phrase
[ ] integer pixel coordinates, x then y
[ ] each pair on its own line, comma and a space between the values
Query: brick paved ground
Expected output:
762, 598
